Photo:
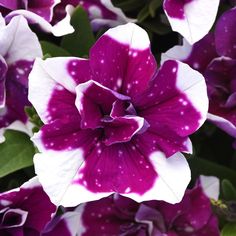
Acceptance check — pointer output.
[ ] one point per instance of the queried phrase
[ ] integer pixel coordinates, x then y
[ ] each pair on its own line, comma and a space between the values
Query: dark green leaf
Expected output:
229, 230
143, 14
16, 152
228, 190
201, 166
79, 43
153, 6
53, 50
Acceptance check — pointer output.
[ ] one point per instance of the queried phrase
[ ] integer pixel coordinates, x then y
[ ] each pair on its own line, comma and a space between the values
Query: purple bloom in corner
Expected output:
19, 48
117, 215
215, 57
39, 12
191, 18
101, 12
114, 122
26, 210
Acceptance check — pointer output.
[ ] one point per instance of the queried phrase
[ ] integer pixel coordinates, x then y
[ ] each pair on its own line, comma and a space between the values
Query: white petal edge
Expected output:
173, 178
193, 85
200, 16
63, 27
18, 41
46, 75
130, 34
210, 186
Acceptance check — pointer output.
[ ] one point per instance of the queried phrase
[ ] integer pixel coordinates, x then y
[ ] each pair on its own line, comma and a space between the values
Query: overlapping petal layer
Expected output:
114, 123
214, 56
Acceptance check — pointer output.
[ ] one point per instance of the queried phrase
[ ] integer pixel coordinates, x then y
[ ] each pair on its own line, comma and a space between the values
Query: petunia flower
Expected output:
215, 57
19, 48
191, 18
26, 210
114, 122
118, 215
39, 12
54, 15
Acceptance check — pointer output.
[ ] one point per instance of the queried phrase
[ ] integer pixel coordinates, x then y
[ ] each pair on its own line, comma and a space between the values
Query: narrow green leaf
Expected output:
229, 230
228, 190
153, 6
16, 152
79, 43
143, 14
53, 50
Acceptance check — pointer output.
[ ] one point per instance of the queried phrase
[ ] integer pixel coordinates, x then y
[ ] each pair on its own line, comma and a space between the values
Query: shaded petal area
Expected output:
198, 56
191, 18
225, 34
122, 63
3, 71
66, 225
175, 83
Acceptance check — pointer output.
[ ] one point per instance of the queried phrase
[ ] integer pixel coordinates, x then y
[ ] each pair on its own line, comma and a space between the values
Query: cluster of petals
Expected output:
53, 16
215, 57
115, 122
19, 48
118, 215
25, 210
191, 18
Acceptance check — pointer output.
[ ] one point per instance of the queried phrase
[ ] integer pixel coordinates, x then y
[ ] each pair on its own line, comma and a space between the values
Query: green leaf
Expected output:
53, 50
79, 43
143, 14
201, 166
15, 153
229, 230
153, 6
228, 190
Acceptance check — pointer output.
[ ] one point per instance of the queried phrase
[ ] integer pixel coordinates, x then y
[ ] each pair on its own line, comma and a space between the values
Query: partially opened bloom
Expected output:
117, 215
215, 57
191, 18
114, 123
39, 12
19, 48
26, 210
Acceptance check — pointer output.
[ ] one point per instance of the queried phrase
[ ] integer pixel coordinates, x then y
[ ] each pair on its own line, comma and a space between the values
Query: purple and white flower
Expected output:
39, 12
215, 57
54, 15
191, 18
19, 48
117, 215
25, 210
114, 122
